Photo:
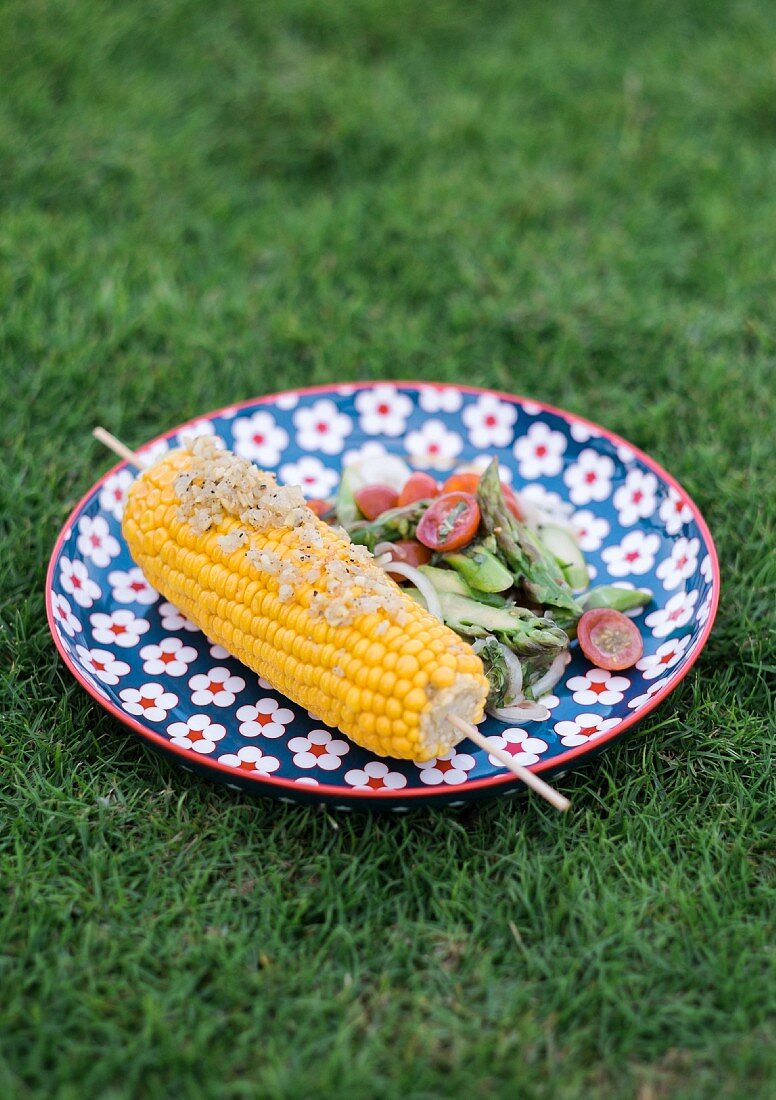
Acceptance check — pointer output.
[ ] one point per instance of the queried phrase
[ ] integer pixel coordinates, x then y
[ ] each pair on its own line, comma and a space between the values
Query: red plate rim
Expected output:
506, 779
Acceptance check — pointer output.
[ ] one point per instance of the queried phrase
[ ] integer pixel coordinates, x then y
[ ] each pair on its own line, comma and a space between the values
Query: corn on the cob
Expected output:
294, 600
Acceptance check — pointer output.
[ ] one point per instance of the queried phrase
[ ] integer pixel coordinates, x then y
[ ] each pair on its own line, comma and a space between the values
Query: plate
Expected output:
146, 664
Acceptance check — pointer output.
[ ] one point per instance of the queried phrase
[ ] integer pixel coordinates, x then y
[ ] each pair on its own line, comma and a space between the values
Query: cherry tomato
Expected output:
418, 487
411, 553
464, 482
320, 507
450, 522
373, 500
609, 639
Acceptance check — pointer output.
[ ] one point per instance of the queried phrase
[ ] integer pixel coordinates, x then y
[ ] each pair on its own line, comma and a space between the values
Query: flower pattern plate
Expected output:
151, 668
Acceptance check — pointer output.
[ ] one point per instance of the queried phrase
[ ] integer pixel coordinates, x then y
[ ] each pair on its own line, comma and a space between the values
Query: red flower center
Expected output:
264, 719
681, 562
137, 586
167, 657
541, 451
95, 540
118, 494
675, 614
433, 448
146, 702
632, 555
99, 666
258, 438
75, 581
196, 735
598, 687
445, 766
318, 750
514, 747
590, 476
321, 427
117, 628
383, 409
637, 496
667, 657
588, 731
215, 686
490, 420
374, 782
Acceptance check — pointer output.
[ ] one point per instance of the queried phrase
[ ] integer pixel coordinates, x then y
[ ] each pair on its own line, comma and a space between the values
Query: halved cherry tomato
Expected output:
373, 500
320, 507
418, 487
411, 553
464, 482
609, 639
450, 522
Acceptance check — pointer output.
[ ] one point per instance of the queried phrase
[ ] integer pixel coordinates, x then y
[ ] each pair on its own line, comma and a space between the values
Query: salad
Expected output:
506, 575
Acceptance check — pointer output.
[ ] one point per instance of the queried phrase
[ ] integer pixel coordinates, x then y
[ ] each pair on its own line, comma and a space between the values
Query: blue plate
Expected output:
142, 660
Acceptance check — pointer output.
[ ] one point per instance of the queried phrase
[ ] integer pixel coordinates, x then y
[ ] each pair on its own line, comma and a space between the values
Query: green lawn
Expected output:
205, 201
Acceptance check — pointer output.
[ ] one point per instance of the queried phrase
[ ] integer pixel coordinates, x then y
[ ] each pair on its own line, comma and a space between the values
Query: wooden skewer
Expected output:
535, 782
119, 448
531, 779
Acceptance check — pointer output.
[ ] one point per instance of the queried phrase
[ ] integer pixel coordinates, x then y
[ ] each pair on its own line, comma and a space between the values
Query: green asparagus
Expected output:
392, 526
531, 564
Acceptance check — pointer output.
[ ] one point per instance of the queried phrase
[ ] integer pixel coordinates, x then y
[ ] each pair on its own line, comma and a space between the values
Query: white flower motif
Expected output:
583, 432
705, 609
436, 399
131, 587
490, 421
63, 613
196, 429
250, 758
322, 427
113, 495
217, 652
681, 564
122, 628
674, 512
642, 700
540, 452
634, 555
532, 408
218, 687
520, 745
677, 613
706, 571
590, 530
152, 452
74, 578
102, 664
433, 446
95, 542
358, 455
306, 781
382, 410
375, 776
666, 656
318, 750
173, 619
598, 686
150, 700
451, 769
635, 498
198, 732
549, 701
584, 728
169, 658
310, 474
265, 718
625, 453
590, 477
259, 438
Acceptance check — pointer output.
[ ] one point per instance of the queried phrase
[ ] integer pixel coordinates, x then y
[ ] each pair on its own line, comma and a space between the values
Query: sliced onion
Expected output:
423, 585
515, 670
383, 548
552, 675
520, 712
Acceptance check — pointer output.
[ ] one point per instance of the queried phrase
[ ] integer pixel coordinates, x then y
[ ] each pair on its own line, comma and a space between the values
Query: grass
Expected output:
201, 202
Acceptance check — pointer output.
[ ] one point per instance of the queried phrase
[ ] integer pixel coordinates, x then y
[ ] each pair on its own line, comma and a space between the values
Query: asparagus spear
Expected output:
604, 595
532, 565
394, 525
526, 634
